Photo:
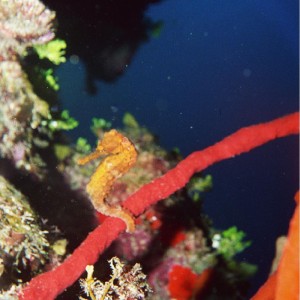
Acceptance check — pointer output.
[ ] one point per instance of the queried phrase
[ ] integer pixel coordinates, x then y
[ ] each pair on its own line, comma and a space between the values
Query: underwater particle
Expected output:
162, 104
247, 73
74, 59
114, 109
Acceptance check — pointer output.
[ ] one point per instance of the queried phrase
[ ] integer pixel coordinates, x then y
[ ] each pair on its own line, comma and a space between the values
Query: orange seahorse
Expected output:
120, 155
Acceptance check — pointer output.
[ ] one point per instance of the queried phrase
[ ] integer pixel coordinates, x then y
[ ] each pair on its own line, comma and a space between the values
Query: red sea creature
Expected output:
50, 284
184, 283
178, 238
284, 283
181, 282
153, 218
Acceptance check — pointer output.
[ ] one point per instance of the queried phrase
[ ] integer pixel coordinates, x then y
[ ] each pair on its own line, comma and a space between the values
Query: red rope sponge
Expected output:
50, 284
239, 142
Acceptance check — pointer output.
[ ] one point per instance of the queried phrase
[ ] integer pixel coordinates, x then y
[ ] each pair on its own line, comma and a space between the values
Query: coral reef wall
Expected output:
22, 25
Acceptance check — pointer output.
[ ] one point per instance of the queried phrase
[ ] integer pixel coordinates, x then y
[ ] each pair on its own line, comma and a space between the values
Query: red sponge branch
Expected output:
239, 142
52, 283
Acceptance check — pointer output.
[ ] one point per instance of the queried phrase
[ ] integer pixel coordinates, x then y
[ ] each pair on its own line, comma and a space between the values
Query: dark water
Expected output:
216, 66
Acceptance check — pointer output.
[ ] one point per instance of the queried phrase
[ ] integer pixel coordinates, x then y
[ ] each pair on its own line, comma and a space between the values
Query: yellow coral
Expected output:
53, 51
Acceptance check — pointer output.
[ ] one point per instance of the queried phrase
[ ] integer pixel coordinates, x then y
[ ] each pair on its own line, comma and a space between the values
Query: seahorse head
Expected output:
113, 142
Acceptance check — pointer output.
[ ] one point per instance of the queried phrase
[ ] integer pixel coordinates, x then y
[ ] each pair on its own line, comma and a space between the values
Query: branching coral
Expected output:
125, 283
50, 284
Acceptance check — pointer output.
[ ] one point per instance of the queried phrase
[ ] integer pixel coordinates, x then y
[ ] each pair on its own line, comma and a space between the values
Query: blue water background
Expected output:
216, 67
